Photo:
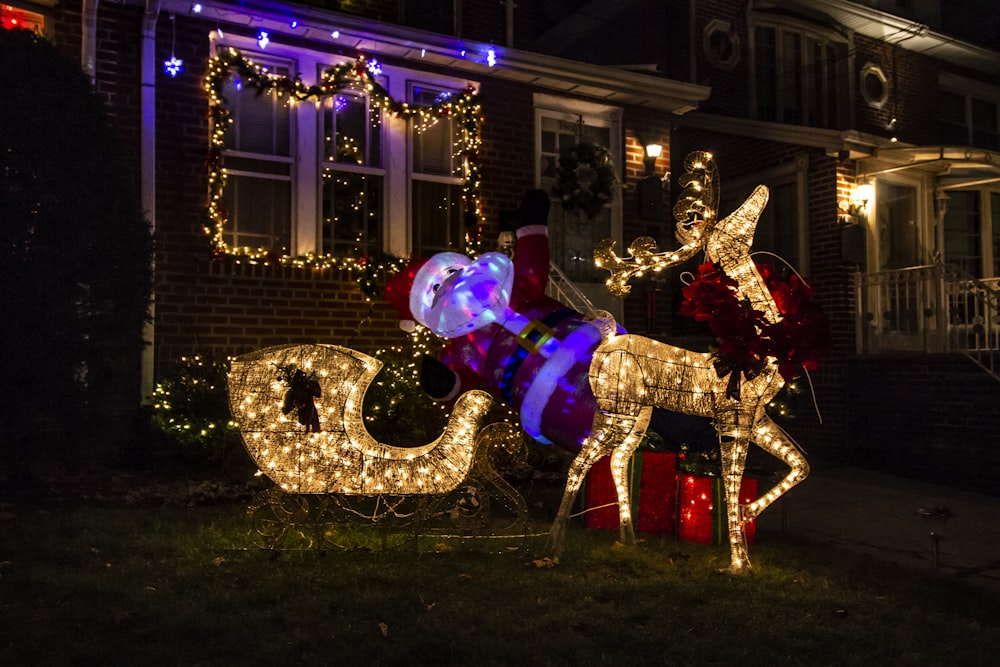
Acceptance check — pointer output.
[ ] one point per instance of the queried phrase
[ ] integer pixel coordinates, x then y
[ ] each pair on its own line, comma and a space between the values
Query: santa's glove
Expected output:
437, 379
534, 209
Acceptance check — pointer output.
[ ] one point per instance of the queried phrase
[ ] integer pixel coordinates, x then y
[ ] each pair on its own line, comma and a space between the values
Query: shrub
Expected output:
75, 273
191, 408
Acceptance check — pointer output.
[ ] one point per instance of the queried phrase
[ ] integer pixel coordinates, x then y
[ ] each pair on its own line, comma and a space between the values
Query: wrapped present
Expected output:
653, 492
701, 515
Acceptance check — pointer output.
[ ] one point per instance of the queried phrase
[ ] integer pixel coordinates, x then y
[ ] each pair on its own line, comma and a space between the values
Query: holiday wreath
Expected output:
585, 178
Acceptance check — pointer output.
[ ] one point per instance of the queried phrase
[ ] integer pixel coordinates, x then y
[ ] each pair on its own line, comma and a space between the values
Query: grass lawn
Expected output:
93, 584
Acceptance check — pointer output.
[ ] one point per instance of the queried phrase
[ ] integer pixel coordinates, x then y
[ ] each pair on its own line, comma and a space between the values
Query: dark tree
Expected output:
75, 272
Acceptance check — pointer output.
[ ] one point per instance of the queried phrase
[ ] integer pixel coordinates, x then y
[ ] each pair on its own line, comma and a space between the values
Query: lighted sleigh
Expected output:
300, 413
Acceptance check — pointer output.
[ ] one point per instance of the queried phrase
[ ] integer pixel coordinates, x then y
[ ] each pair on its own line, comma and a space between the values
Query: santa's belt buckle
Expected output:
534, 336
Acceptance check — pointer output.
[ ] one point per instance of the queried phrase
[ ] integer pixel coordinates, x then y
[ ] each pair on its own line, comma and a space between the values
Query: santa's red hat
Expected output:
397, 292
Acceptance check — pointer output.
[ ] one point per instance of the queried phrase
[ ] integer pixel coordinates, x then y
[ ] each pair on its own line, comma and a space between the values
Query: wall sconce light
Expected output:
652, 151
650, 188
855, 208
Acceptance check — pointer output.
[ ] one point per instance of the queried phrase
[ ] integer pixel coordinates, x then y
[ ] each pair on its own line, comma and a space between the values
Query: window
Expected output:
874, 86
962, 241
799, 76
721, 44
972, 231
896, 226
783, 225
258, 160
323, 178
969, 114
436, 181
352, 175
15, 18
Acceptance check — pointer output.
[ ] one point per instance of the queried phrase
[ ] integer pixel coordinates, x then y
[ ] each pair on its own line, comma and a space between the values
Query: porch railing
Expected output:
562, 289
933, 308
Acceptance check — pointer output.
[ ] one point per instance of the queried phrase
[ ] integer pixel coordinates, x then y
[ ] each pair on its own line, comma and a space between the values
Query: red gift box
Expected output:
702, 509
652, 485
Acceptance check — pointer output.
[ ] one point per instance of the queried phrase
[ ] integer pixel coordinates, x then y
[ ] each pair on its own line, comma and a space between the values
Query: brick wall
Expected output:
912, 80
932, 417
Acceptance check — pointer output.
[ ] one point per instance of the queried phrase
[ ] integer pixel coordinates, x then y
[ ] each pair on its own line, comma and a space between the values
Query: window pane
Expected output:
351, 132
791, 78
559, 135
777, 229
572, 238
352, 213
896, 226
954, 128
814, 83
766, 69
434, 146
259, 213
984, 125
261, 123
437, 218
838, 101
961, 232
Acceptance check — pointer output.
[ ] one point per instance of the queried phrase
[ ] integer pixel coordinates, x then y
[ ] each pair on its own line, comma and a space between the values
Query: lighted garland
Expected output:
585, 178
359, 75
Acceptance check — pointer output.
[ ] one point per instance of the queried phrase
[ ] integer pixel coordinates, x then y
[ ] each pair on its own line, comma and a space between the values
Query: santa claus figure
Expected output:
529, 350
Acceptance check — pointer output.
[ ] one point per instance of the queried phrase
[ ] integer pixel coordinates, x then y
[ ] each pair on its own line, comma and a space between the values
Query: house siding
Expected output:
930, 417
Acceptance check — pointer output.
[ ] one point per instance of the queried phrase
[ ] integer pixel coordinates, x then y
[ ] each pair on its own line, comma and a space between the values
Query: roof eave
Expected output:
606, 84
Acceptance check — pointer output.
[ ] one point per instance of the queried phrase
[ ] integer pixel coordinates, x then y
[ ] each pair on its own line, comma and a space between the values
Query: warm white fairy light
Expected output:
630, 374
342, 457
229, 64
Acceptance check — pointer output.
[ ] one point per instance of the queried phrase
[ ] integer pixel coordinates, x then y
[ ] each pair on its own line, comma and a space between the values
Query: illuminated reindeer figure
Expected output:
630, 374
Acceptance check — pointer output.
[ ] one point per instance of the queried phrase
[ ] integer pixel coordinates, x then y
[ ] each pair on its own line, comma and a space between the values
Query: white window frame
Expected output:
443, 85
307, 142
271, 61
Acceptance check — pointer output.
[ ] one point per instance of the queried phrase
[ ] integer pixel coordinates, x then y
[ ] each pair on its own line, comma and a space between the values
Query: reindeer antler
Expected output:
695, 212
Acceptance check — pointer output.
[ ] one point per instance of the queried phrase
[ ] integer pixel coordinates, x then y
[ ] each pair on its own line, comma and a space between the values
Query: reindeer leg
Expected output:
635, 428
773, 440
598, 444
734, 440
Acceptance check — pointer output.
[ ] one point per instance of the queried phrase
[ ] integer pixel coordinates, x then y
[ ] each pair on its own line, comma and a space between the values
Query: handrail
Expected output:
567, 292
930, 308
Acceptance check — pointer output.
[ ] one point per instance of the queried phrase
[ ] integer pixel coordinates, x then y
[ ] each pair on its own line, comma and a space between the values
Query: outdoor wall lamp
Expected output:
652, 151
855, 207
650, 188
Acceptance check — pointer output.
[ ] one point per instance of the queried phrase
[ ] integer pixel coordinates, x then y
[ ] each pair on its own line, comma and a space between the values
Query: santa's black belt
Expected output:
530, 340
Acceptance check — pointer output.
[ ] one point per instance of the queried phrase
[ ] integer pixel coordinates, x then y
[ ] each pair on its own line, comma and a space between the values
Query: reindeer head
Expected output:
695, 212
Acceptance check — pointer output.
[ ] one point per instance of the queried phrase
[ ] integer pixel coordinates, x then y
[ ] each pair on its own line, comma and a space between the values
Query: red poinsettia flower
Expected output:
746, 339
709, 295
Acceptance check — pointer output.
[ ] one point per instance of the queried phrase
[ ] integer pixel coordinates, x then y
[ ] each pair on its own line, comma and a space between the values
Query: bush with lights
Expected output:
191, 409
